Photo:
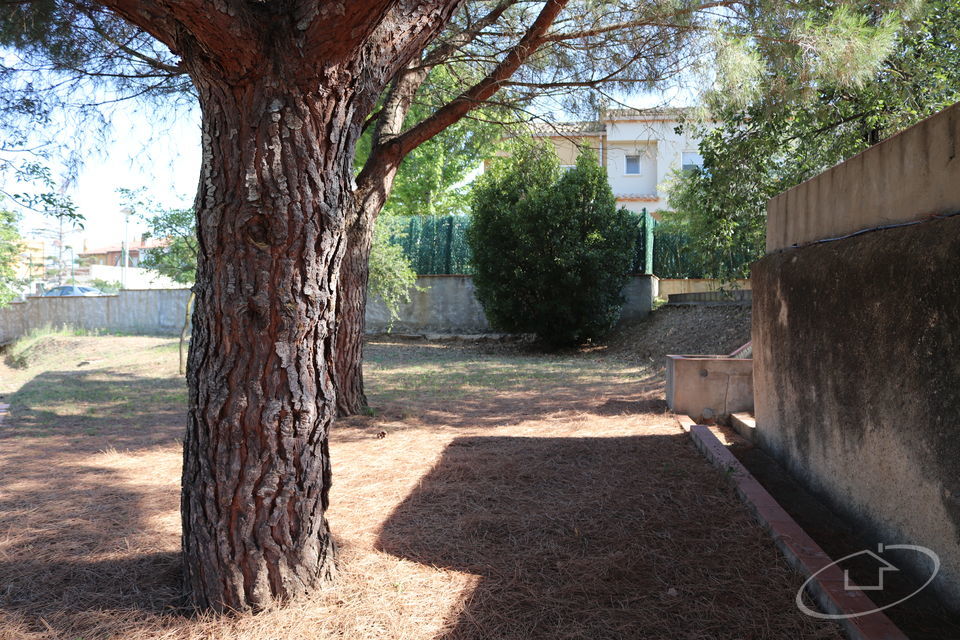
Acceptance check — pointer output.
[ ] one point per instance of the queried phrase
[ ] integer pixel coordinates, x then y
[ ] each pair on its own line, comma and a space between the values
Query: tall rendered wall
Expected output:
909, 176
856, 341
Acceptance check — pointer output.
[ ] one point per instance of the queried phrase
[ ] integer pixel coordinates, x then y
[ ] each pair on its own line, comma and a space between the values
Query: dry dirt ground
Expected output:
514, 495
681, 330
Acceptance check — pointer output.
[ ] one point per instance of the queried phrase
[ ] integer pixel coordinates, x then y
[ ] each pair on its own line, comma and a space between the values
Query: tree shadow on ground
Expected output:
67, 553
81, 523
566, 549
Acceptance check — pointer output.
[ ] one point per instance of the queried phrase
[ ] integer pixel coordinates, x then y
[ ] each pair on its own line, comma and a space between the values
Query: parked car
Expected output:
73, 290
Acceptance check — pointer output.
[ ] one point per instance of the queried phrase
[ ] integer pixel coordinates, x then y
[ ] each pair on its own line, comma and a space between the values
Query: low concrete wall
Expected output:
670, 286
447, 304
857, 380
440, 304
739, 296
639, 295
709, 386
444, 304
910, 176
151, 311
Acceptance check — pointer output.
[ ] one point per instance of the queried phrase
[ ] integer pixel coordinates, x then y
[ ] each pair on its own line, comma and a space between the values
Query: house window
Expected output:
632, 166
691, 160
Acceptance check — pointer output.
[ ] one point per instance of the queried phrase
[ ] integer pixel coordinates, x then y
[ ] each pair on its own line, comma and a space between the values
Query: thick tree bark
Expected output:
283, 96
371, 195
274, 186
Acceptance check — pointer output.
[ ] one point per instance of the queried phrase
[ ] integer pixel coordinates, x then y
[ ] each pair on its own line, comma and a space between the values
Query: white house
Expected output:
640, 149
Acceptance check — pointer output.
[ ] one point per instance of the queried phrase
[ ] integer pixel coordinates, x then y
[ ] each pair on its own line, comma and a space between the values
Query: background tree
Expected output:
551, 249
507, 54
776, 141
176, 258
285, 89
391, 276
11, 246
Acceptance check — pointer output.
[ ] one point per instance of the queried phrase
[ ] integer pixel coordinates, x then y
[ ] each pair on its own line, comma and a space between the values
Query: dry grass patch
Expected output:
514, 496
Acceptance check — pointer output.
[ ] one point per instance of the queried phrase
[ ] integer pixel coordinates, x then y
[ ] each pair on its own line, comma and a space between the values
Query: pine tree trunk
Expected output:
274, 187
351, 321
284, 88
377, 183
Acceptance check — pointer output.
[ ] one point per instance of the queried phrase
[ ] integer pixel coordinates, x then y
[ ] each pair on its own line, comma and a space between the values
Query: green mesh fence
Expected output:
434, 244
674, 258
438, 245
671, 258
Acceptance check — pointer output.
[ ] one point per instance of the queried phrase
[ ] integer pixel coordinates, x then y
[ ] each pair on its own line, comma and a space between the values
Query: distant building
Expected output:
639, 147
112, 255
31, 262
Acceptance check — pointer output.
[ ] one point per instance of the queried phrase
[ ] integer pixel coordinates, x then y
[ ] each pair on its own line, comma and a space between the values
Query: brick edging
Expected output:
800, 550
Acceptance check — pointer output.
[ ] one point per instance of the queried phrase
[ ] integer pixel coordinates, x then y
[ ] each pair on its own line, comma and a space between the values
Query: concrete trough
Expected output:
707, 386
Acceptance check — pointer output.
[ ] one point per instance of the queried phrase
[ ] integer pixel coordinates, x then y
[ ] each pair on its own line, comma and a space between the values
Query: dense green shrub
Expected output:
391, 278
551, 250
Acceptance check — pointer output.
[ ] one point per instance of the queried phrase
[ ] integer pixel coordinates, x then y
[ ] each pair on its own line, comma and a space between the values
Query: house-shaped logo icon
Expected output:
883, 567
874, 559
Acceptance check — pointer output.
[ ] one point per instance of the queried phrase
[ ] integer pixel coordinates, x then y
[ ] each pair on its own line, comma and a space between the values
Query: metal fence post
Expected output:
648, 247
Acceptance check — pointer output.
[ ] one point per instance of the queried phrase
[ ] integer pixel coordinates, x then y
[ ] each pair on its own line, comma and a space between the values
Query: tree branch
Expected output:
440, 53
212, 31
657, 20
389, 124
475, 95
149, 60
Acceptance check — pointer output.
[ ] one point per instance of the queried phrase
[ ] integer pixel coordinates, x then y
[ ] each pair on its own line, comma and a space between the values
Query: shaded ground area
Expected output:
570, 539
920, 616
512, 496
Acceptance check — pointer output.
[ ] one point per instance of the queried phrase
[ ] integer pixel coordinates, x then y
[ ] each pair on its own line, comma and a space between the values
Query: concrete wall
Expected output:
153, 311
670, 286
441, 304
856, 342
907, 177
704, 387
444, 304
447, 304
737, 296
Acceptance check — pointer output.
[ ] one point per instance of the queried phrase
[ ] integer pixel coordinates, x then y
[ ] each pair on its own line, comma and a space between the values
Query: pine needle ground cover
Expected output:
495, 493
